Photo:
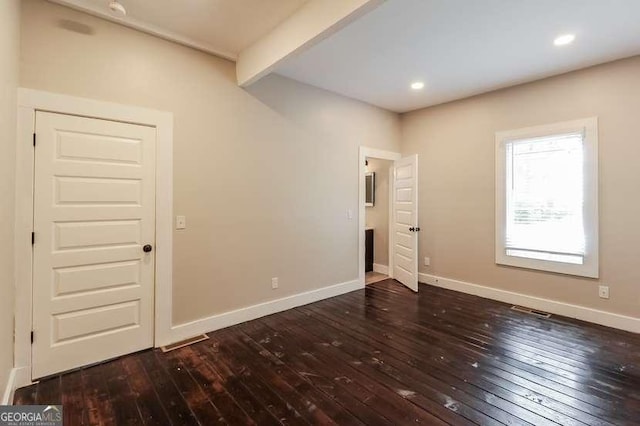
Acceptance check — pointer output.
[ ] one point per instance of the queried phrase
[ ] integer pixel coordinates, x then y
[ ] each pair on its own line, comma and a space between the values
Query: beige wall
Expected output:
455, 143
265, 176
9, 60
378, 215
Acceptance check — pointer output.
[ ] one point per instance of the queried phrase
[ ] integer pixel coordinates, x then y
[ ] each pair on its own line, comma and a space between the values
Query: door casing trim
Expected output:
29, 102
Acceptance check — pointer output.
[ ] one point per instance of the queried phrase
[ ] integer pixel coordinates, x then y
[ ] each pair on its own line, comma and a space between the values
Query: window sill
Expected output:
588, 270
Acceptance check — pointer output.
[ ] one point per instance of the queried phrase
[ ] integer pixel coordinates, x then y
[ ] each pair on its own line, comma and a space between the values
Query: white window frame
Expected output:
589, 127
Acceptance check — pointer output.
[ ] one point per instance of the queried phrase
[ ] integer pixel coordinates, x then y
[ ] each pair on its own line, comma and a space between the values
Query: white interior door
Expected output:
405, 221
94, 211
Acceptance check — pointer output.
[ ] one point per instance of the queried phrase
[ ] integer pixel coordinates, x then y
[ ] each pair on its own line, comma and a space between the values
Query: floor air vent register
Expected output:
183, 343
539, 314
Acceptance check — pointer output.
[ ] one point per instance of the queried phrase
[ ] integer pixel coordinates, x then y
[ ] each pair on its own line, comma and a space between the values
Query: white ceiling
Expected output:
221, 27
464, 47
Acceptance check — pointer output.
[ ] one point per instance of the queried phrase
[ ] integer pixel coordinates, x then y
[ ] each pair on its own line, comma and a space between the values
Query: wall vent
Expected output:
183, 343
540, 314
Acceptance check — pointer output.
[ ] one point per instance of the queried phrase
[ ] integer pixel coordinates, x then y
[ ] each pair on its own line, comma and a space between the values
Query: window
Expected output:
547, 198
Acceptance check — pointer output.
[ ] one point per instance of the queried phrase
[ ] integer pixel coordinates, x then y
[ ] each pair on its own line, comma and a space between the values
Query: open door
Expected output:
405, 221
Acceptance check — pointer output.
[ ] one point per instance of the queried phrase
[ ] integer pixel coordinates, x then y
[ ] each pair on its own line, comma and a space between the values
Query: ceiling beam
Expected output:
310, 24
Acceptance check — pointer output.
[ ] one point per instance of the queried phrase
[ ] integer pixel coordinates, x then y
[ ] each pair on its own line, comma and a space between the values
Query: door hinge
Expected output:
34, 139
32, 335
33, 238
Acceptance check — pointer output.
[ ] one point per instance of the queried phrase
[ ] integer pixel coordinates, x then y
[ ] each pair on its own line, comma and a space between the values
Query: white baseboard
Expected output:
227, 319
18, 377
559, 308
381, 269
9, 390
22, 377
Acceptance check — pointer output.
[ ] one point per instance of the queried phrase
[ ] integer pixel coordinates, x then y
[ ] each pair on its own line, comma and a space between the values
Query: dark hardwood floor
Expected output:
379, 356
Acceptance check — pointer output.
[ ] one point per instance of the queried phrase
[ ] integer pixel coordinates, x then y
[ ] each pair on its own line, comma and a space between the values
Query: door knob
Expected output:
412, 229
147, 248
417, 229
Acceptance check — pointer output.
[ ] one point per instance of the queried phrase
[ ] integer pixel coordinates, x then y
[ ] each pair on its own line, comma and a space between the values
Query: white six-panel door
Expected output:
94, 210
405, 221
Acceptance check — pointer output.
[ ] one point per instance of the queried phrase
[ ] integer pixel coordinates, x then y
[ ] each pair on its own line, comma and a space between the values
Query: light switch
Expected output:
181, 222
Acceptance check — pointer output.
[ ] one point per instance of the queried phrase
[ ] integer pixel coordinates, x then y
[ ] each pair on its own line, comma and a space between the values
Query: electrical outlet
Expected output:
274, 283
181, 222
427, 261
349, 214
603, 291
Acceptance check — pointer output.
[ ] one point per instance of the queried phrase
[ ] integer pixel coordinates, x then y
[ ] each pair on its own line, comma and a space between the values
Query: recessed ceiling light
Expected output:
564, 39
417, 85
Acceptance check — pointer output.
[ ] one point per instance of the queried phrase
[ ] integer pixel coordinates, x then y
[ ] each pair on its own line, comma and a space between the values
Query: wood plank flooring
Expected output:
379, 356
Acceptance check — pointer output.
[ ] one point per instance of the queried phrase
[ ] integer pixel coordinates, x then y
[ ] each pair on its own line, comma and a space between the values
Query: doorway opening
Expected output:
401, 222
377, 209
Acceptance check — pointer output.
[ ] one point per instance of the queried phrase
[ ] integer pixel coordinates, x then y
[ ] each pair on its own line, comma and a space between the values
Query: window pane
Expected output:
545, 192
